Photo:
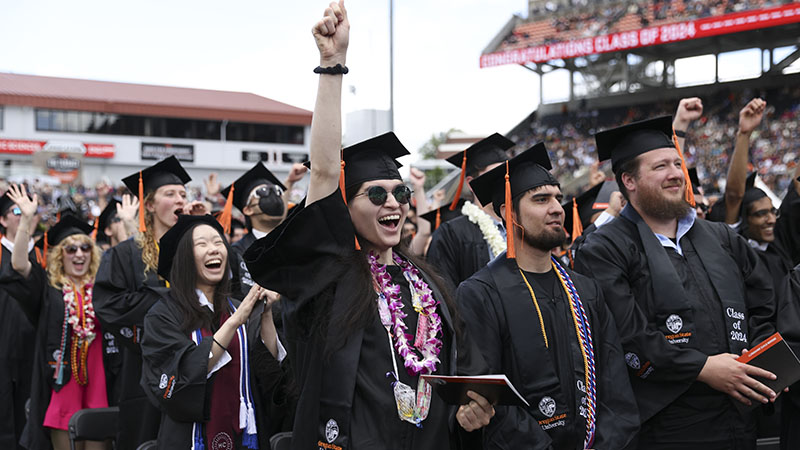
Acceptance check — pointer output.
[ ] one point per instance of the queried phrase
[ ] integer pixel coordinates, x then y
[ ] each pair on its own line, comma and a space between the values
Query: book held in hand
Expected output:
774, 355
495, 388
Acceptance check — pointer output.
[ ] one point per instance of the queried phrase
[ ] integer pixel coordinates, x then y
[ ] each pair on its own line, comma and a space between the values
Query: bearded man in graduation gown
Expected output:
688, 296
544, 326
16, 336
462, 246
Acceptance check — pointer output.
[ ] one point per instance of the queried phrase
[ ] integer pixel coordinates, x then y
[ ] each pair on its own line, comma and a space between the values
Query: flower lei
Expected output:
81, 319
429, 325
487, 226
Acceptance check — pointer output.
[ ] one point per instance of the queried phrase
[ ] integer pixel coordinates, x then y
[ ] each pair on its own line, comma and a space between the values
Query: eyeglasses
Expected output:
264, 191
761, 213
378, 195
72, 248
16, 211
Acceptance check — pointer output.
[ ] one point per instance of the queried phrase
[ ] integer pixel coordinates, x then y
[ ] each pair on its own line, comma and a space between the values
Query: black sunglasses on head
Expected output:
72, 248
378, 195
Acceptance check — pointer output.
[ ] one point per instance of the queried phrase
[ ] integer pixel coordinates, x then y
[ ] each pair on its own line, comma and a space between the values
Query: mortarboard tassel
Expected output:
224, 218
58, 216
96, 227
510, 250
689, 191
577, 226
344, 196
460, 182
142, 227
46, 248
438, 219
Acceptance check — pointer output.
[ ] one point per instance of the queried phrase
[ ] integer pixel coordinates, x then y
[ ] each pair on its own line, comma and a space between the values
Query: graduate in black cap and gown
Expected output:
122, 295
357, 343
544, 326
69, 357
16, 335
117, 222
262, 199
462, 246
209, 361
688, 296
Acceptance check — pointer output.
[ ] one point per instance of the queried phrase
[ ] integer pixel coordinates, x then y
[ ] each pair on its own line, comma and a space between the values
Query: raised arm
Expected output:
749, 118
296, 174
331, 34
126, 211
423, 226
689, 110
19, 257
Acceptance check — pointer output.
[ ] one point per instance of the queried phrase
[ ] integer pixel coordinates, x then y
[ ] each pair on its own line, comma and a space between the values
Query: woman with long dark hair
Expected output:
363, 319
69, 361
209, 361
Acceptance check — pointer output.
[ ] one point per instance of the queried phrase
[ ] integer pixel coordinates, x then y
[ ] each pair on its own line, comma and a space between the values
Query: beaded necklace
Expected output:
80, 316
583, 332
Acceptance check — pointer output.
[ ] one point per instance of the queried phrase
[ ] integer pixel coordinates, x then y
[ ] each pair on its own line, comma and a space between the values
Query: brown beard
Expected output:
653, 203
546, 240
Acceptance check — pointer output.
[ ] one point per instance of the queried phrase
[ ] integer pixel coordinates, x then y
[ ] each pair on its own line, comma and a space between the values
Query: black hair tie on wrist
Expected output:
680, 133
220, 345
335, 70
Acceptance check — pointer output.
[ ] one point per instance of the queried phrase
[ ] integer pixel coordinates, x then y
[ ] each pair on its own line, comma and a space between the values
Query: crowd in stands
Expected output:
775, 144
556, 22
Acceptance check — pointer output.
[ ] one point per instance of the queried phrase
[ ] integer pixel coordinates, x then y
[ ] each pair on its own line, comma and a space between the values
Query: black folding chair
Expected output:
93, 424
281, 441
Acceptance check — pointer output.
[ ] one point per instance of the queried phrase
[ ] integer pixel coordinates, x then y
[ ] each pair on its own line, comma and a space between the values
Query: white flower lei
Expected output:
487, 225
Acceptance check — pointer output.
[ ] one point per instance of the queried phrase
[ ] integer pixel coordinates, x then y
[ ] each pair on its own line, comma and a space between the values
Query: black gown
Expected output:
346, 398
239, 247
167, 350
458, 250
45, 304
716, 298
501, 317
121, 300
17, 337
788, 295
787, 227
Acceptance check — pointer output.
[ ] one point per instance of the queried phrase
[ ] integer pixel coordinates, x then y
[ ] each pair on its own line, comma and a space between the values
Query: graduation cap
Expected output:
238, 193
5, 204
168, 245
624, 143
751, 192
65, 205
165, 172
441, 215
526, 171
480, 154
104, 220
68, 225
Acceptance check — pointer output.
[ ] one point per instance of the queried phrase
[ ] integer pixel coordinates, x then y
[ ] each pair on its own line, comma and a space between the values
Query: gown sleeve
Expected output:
27, 292
174, 369
442, 254
119, 302
512, 427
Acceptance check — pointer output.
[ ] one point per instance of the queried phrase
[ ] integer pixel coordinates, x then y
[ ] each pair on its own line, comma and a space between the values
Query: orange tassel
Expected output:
58, 217
689, 192
96, 227
510, 250
224, 218
460, 182
46, 248
577, 226
344, 197
142, 227
438, 219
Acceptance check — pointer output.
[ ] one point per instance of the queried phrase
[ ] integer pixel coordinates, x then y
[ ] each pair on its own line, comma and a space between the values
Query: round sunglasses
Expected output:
72, 248
378, 195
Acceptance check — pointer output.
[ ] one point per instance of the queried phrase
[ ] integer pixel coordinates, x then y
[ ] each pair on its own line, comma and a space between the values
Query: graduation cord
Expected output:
584, 333
536, 304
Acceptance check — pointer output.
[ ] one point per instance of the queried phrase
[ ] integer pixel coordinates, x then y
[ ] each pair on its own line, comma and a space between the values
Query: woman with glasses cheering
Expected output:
69, 359
363, 319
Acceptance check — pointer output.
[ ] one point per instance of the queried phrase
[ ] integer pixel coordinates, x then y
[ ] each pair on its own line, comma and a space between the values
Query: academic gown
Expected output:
788, 296
500, 314
458, 250
788, 224
346, 399
121, 300
45, 304
246, 282
720, 301
17, 337
167, 350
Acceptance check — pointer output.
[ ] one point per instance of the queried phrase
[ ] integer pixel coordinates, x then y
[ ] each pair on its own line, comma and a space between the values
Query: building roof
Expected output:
145, 100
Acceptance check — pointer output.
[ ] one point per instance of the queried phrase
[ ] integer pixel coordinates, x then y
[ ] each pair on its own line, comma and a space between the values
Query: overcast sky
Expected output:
266, 47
